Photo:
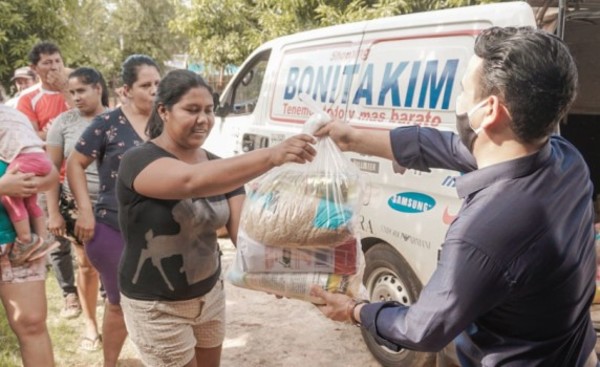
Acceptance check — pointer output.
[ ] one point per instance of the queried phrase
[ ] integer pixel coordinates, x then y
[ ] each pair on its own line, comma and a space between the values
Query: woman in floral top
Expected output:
105, 141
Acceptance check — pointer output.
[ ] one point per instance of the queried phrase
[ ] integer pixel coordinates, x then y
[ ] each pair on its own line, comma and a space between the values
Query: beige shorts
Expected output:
28, 272
167, 333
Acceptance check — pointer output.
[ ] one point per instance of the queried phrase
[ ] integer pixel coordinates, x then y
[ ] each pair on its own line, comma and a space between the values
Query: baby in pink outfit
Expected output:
22, 149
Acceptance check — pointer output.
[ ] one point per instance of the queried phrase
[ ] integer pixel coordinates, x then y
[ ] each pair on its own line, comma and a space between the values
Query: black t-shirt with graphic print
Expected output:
171, 249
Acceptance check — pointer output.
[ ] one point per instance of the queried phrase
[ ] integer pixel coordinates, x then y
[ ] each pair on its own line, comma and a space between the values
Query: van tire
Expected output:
388, 277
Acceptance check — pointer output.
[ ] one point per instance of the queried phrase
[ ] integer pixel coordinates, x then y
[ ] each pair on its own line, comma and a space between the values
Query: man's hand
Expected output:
57, 79
18, 184
337, 307
342, 134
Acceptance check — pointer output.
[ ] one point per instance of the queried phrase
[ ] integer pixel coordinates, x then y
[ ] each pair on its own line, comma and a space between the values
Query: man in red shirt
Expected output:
42, 105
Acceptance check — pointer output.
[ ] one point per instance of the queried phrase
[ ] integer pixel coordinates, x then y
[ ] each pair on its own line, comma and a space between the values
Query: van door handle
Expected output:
254, 141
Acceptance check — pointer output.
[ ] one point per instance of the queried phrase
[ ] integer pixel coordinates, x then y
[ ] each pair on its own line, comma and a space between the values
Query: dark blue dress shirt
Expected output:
516, 274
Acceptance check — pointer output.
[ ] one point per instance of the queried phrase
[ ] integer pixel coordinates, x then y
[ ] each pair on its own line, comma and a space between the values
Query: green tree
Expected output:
105, 32
142, 27
24, 23
219, 32
94, 44
226, 31
336, 12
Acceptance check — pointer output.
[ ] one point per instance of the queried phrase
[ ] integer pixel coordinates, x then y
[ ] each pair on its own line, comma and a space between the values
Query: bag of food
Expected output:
297, 226
305, 205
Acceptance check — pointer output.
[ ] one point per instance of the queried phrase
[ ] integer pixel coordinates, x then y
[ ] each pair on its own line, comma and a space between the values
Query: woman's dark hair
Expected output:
131, 66
91, 76
533, 74
170, 90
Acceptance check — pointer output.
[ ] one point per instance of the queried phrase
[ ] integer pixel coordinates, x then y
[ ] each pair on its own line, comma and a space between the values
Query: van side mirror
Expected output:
220, 111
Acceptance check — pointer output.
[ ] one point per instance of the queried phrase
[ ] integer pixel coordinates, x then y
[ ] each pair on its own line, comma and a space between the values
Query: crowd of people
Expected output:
67, 113
131, 193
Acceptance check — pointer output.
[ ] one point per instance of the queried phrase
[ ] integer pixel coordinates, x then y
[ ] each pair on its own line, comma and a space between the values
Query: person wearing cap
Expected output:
24, 78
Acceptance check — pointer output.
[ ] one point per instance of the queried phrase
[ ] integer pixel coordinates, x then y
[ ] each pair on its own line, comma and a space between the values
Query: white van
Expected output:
377, 74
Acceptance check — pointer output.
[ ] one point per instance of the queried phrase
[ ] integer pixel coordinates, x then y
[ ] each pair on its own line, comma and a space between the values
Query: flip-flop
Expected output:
89, 344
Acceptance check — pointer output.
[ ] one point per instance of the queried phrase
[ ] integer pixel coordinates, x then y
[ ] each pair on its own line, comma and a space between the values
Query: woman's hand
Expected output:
18, 184
84, 226
56, 224
296, 149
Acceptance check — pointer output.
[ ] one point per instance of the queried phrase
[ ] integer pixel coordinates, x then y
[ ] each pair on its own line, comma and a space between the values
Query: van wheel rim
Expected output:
385, 285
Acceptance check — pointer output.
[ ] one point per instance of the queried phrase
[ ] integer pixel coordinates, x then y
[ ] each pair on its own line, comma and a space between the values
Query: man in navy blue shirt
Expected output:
515, 278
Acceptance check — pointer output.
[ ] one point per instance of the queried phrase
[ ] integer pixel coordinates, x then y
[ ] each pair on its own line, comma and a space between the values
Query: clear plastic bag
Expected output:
297, 226
290, 272
255, 257
305, 205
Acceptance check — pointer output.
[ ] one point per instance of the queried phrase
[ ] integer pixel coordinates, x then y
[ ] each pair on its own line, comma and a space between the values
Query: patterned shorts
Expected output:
28, 272
167, 333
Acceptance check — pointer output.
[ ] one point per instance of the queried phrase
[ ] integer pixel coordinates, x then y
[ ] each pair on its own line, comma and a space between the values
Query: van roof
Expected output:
502, 14
582, 33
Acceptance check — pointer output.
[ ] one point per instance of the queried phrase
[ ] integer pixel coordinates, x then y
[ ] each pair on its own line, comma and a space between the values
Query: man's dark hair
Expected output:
44, 47
170, 91
533, 74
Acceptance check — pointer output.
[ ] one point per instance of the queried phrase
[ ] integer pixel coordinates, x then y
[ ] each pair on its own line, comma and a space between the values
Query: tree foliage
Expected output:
219, 32
109, 31
225, 32
23, 23
142, 26
97, 33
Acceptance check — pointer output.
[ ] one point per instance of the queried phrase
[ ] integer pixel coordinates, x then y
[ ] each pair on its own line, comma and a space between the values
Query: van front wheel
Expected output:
388, 277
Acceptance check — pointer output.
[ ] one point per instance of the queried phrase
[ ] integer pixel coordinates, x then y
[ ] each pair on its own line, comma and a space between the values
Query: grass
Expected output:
65, 335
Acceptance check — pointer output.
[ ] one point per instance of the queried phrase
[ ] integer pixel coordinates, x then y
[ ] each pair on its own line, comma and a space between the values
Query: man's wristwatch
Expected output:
355, 322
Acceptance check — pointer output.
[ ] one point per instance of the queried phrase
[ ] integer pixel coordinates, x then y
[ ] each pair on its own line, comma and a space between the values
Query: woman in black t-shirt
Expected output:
103, 143
173, 196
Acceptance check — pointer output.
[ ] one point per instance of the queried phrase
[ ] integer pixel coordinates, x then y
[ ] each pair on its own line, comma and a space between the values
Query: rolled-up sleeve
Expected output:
424, 148
465, 285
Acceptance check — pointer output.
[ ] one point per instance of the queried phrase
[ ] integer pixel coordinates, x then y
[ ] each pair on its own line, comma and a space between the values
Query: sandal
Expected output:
21, 252
91, 345
46, 247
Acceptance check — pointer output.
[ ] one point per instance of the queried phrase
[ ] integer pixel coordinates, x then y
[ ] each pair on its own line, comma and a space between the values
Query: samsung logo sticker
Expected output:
411, 202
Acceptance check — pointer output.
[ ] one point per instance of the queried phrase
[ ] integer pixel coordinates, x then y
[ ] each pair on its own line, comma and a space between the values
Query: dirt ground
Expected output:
263, 331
